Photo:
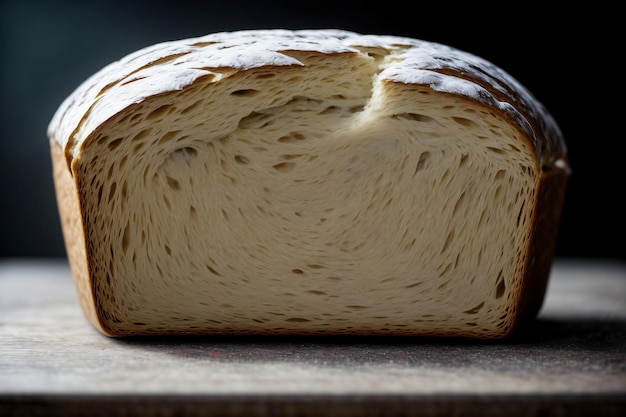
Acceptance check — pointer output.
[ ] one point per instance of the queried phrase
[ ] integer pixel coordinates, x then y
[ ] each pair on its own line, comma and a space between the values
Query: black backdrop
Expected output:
569, 59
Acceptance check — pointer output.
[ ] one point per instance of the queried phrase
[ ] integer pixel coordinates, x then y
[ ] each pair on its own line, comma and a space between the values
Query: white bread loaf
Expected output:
307, 182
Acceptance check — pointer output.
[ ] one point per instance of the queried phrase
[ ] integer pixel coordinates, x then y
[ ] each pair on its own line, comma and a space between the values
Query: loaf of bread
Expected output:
313, 182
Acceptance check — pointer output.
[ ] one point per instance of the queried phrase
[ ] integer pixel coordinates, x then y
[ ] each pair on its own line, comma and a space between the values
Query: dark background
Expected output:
569, 58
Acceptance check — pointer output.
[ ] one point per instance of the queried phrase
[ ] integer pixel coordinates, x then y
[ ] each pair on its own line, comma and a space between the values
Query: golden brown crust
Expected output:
68, 203
542, 243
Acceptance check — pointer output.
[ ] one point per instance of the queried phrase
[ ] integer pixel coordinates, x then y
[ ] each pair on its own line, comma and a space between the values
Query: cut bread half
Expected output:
315, 182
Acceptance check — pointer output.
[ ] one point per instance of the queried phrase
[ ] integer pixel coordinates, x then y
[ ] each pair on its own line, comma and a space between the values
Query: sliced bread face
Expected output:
307, 182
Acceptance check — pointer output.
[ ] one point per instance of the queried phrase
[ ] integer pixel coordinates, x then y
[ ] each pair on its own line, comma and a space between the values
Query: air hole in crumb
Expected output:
463, 160
174, 185
475, 309
144, 133
191, 107
297, 320
499, 151
240, 159
157, 113
114, 143
297, 271
213, 271
184, 153
290, 156
123, 162
413, 116
245, 93
126, 238
265, 75
458, 202
449, 240
330, 110
169, 136
500, 288
519, 215
284, 167
421, 162
255, 120
463, 121
112, 190
293, 137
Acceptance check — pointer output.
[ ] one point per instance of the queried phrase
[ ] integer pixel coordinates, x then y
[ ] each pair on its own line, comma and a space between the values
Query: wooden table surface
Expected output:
570, 361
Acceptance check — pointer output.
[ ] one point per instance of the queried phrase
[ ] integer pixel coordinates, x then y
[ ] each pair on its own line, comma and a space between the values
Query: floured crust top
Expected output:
171, 66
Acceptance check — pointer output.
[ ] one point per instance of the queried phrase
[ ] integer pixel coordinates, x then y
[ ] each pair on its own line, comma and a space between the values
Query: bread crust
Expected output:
542, 242
437, 66
73, 228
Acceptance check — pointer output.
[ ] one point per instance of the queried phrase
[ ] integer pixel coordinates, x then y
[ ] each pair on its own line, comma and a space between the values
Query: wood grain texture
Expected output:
574, 353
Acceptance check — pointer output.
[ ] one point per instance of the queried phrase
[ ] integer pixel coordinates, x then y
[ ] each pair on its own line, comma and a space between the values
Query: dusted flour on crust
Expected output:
173, 65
